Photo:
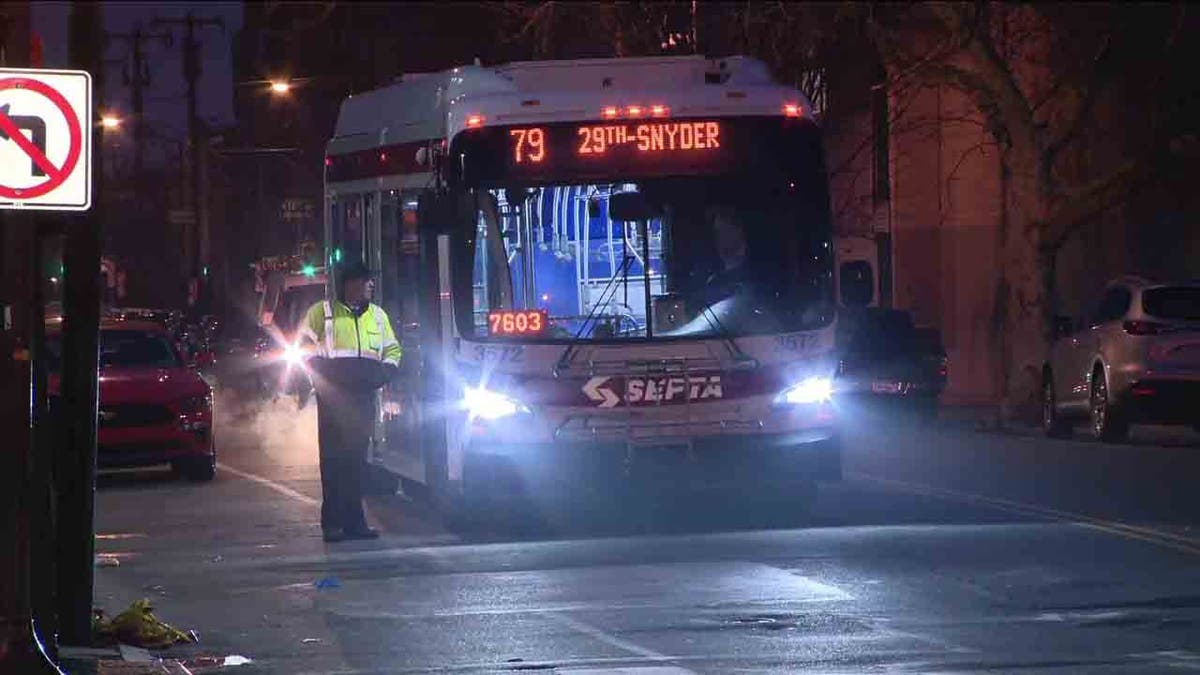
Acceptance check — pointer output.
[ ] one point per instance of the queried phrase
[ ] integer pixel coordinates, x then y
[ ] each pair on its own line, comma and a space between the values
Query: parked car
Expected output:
1135, 358
885, 359
154, 406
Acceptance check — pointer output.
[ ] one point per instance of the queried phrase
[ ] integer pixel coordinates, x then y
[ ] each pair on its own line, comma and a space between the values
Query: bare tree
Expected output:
1060, 87
557, 29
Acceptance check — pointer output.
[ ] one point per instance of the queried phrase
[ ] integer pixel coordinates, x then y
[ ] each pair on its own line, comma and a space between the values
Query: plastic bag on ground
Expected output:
137, 626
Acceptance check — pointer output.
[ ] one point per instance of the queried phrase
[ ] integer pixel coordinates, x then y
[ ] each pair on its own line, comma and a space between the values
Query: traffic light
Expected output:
309, 271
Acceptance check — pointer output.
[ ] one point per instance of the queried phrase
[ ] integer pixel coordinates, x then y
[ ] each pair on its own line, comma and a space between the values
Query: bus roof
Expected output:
436, 106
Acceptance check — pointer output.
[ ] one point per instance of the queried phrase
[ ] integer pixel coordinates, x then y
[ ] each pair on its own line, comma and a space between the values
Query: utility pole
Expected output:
198, 236
137, 76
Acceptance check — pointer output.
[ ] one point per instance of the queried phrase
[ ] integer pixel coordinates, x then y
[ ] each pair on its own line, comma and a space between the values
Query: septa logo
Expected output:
654, 390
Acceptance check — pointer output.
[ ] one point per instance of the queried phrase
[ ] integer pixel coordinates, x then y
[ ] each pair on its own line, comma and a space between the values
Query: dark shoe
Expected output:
362, 533
333, 534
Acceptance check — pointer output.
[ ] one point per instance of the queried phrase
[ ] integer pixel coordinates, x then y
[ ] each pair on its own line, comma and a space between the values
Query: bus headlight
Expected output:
488, 405
293, 355
809, 390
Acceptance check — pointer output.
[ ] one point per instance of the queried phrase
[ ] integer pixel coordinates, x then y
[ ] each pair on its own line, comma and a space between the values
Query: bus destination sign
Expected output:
529, 145
632, 149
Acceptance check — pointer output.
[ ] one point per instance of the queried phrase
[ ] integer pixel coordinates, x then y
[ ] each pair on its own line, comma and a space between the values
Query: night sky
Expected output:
165, 99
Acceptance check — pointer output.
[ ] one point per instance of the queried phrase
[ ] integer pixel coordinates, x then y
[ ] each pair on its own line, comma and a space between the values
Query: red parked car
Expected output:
154, 406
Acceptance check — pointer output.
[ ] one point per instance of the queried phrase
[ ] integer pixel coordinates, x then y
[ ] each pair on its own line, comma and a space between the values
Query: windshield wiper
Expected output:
565, 359
726, 336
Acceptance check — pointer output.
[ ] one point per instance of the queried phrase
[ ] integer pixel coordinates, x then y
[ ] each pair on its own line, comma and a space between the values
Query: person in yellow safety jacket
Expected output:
356, 354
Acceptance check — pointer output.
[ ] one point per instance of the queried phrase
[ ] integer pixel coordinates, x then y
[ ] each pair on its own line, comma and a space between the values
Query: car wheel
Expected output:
1107, 423
197, 469
1053, 424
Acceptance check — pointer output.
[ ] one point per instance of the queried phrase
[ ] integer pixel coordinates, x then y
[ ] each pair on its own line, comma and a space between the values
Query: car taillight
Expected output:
1145, 328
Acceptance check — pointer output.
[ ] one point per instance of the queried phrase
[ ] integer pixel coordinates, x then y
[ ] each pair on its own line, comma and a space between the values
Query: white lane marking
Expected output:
610, 639
278, 487
601, 636
1175, 658
630, 670
1146, 534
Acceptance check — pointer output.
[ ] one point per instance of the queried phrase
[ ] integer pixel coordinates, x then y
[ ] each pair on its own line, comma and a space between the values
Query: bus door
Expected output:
398, 291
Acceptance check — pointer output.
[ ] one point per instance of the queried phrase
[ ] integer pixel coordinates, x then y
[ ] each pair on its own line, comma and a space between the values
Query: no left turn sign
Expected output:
45, 139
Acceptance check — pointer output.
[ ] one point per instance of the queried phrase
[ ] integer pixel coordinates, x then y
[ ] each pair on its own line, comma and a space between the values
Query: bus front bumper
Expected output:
726, 462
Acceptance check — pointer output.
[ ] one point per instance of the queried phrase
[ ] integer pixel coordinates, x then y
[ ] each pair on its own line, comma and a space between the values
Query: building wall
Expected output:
946, 208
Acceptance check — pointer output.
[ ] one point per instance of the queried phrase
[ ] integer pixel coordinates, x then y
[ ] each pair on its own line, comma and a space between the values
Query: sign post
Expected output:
45, 163
46, 160
45, 139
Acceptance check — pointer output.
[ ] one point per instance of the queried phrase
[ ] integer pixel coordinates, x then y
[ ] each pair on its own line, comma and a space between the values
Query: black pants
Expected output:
345, 419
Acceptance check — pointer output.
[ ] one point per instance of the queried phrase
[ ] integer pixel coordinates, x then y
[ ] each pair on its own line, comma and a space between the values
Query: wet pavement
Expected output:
942, 551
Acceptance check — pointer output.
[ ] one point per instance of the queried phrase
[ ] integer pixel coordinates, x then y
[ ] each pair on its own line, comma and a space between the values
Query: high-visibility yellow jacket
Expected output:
339, 334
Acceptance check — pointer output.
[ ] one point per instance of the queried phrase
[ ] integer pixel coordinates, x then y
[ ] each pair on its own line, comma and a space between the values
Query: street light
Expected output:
110, 122
280, 87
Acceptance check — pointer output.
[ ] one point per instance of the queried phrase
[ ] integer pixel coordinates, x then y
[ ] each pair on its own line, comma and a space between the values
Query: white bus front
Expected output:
639, 298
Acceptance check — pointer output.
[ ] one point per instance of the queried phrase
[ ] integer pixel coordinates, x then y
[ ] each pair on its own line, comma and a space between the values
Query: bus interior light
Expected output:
792, 110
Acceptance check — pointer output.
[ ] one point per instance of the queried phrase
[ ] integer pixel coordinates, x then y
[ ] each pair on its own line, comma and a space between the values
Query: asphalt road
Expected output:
942, 551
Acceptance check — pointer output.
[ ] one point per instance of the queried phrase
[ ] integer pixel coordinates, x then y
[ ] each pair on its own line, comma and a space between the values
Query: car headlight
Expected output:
488, 405
809, 390
293, 355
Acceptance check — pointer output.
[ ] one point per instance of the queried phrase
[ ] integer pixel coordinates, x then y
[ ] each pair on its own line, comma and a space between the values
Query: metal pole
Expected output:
646, 277
41, 492
21, 648
80, 349
137, 89
198, 232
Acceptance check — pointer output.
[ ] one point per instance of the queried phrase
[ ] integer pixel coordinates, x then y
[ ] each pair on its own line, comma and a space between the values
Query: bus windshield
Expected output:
732, 237
720, 256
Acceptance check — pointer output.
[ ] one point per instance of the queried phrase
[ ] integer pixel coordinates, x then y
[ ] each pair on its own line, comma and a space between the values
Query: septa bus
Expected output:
599, 270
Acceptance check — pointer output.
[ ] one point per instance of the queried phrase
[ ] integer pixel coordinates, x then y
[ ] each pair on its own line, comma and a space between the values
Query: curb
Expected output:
119, 660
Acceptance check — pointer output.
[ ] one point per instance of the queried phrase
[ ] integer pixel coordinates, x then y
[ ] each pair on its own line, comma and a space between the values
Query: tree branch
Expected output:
1086, 202
991, 81
1098, 73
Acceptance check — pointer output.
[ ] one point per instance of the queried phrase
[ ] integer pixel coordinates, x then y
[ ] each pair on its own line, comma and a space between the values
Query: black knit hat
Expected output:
353, 269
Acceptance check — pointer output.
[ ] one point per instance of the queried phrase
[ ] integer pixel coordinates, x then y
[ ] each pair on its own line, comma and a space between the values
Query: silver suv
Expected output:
1134, 358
